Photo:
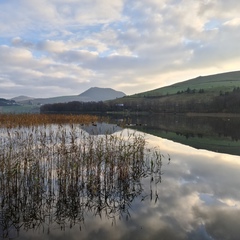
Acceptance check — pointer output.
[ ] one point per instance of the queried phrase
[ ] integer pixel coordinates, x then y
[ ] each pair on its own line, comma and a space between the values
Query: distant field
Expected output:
19, 109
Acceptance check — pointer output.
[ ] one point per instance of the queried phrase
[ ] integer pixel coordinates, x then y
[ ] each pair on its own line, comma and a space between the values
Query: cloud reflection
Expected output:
198, 198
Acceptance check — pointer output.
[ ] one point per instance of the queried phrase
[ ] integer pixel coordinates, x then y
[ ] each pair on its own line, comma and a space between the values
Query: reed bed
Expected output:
54, 175
18, 120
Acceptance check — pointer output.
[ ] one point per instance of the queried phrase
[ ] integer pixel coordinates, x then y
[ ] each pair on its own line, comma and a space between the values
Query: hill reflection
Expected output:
218, 134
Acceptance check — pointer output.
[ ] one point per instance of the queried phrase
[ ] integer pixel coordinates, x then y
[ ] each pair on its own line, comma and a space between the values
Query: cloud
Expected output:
49, 15
118, 43
52, 46
20, 69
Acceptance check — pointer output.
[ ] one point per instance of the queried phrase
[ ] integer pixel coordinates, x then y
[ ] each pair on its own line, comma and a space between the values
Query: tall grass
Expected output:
15, 120
55, 174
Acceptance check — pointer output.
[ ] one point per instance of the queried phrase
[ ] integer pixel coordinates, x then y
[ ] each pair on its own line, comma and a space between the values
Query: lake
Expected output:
188, 193
218, 134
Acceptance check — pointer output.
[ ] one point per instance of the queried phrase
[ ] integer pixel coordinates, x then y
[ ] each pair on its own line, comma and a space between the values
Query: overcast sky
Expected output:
63, 47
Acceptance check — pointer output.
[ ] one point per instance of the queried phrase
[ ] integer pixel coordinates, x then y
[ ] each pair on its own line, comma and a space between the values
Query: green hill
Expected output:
213, 93
211, 84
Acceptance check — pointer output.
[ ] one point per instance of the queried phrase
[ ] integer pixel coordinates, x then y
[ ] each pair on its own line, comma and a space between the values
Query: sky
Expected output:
63, 47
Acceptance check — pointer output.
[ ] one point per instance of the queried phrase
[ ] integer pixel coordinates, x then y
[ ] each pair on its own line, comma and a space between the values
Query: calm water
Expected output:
196, 197
218, 134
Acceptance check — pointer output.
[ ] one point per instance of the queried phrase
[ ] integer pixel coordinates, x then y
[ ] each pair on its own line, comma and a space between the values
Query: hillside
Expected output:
91, 95
22, 98
211, 84
213, 93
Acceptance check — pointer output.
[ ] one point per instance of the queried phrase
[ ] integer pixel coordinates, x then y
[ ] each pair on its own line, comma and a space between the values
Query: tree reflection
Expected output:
50, 178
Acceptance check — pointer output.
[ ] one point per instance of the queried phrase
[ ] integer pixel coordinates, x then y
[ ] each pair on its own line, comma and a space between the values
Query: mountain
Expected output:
102, 94
22, 98
91, 95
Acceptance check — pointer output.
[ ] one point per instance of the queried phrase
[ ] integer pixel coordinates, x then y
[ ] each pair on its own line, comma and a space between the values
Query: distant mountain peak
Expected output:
93, 94
22, 98
102, 94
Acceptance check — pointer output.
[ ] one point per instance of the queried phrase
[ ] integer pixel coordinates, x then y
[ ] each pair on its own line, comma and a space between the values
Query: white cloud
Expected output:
52, 46
116, 44
47, 15
10, 56
234, 22
19, 68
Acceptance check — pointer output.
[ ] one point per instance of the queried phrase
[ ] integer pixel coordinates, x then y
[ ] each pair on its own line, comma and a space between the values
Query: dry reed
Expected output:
16, 120
55, 174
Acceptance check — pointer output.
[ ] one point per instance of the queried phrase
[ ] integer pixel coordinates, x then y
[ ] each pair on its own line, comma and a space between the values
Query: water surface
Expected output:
196, 197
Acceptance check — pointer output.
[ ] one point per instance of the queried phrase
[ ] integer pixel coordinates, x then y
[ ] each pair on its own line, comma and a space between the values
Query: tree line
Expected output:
228, 102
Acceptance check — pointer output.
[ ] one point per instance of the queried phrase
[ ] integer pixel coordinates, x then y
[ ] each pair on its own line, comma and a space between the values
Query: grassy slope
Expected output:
211, 84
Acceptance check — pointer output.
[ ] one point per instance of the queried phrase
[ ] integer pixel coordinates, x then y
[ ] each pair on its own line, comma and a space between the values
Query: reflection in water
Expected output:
54, 178
200, 193
198, 198
219, 134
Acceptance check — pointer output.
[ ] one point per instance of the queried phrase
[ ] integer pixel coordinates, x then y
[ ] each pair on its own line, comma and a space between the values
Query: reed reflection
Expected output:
55, 175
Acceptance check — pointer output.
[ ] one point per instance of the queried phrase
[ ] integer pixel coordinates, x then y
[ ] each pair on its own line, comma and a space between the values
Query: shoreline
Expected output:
223, 115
